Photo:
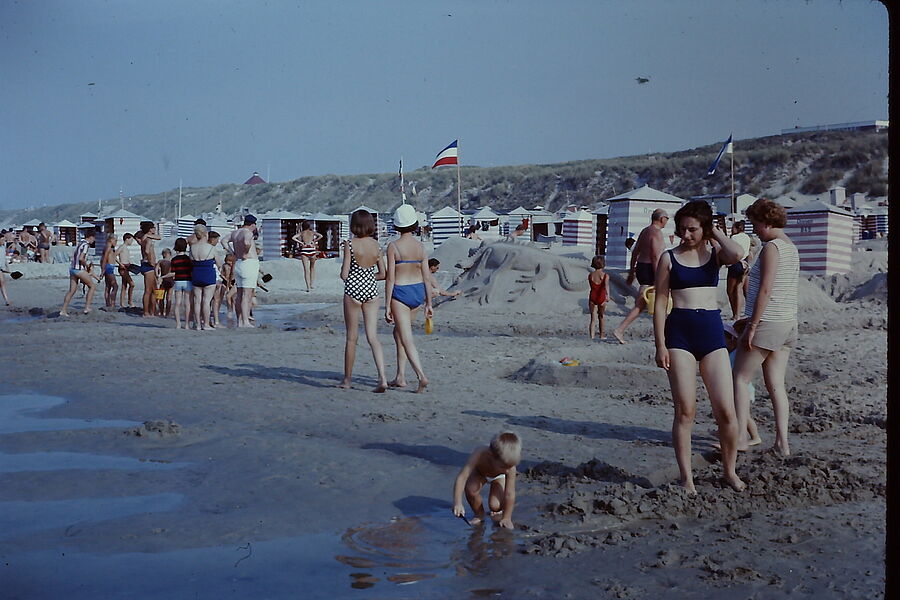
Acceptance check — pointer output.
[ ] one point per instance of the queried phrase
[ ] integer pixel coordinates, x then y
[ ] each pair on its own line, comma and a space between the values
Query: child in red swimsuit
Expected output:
599, 282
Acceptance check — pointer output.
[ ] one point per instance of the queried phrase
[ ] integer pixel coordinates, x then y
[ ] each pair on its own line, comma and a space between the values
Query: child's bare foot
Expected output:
423, 383
344, 385
63, 313
755, 441
381, 388
397, 383
618, 336
689, 486
88, 310
782, 450
735, 483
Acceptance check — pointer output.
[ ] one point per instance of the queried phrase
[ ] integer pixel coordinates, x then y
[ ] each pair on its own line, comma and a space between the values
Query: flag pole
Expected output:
402, 189
458, 190
733, 203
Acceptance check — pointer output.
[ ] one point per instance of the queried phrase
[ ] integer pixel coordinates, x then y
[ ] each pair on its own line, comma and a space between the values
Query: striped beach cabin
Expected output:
514, 218
601, 217
823, 234
488, 223
629, 213
333, 228
445, 223
120, 222
276, 229
185, 226
543, 223
167, 229
88, 217
65, 232
579, 229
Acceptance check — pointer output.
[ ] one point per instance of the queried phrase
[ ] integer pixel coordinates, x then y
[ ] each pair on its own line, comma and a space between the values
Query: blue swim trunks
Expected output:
412, 295
146, 267
696, 330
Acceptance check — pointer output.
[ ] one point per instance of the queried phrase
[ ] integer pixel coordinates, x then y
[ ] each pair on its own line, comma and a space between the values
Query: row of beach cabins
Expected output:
824, 231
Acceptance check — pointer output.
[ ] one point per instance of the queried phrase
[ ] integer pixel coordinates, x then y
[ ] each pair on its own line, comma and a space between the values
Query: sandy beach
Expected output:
141, 461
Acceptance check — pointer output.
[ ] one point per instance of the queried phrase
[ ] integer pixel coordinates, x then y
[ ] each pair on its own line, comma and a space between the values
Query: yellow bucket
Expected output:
429, 326
160, 294
650, 298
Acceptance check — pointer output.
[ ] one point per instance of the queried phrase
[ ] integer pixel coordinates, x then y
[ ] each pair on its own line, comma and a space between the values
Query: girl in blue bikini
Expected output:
405, 289
693, 334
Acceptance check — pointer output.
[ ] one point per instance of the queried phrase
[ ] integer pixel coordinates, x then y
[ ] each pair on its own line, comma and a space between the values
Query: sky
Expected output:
99, 98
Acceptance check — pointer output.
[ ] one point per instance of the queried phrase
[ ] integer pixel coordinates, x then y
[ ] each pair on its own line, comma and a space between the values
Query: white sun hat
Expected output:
405, 215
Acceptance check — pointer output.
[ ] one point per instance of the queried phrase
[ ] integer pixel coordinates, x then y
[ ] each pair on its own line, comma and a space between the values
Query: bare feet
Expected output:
782, 450
63, 313
382, 388
735, 483
618, 336
88, 310
397, 384
755, 441
344, 385
423, 383
689, 486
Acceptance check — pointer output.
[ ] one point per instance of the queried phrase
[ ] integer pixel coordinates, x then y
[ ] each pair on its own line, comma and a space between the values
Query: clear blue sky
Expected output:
208, 92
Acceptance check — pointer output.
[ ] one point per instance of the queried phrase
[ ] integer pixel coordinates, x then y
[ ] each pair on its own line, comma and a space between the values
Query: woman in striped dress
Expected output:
771, 320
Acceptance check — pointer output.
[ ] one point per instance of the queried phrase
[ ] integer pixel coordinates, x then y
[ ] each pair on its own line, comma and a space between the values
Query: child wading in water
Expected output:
362, 267
405, 289
494, 464
599, 282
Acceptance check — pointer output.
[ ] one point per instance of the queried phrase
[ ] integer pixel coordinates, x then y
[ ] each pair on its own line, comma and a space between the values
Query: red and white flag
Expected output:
448, 156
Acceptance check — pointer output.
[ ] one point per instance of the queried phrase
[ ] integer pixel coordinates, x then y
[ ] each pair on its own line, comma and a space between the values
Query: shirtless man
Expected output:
45, 237
644, 258
148, 264
27, 243
246, 269
123, 260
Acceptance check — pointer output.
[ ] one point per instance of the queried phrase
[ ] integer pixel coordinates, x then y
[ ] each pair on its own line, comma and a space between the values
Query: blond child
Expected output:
494, 464
108, 267
599, 282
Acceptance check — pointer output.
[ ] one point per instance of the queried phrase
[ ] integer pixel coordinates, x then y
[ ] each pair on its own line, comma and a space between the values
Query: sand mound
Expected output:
867, 279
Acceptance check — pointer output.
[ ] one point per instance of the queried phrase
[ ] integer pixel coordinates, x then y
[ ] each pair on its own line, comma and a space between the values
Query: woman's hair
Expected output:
507, 446
199, 229
739, 226
768, 212
147, 226
697, 209
111, 239
180, 245
362, 224
408, 228
305, 224
599, 262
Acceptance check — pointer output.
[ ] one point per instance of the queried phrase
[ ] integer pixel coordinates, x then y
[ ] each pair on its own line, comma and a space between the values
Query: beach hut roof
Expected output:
519, 210
365, 208
32, 223
603, 209
485, 213
121, 213
281, 215
86, 226
187, 218
446, 212
818, 206
65, 223
579, 215
89, 214
254, 179
324, 217
646, 192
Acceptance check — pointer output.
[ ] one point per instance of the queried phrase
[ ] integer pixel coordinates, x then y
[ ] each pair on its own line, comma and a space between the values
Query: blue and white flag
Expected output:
729, 148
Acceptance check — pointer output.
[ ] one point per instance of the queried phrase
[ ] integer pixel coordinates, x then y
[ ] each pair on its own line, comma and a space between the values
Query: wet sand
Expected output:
242, 469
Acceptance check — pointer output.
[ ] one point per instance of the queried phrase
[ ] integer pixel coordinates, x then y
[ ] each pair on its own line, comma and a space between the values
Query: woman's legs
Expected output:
715, 369
196, 300
312, 273
84, 279
403, 325
735, 297
306, 275
683, 379
746, 362
400, 379
351, 320
149, 289
205, 303
370, 312
774, 368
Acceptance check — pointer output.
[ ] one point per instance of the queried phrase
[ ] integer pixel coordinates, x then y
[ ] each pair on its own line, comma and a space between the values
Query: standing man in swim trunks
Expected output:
148, 264
45, 237
644, 258
246, 269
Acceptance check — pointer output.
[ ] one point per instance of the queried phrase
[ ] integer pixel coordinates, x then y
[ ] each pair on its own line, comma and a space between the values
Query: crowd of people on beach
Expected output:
202, 273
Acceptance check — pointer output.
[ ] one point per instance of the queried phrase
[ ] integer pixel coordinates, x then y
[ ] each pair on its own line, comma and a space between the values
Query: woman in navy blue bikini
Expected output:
405, 291
693, 334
